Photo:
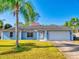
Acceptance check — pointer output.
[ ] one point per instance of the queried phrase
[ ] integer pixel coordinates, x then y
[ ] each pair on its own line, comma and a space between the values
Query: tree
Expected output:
1, 24
73, 23
30, 14
66, 23
7, 26
16, 6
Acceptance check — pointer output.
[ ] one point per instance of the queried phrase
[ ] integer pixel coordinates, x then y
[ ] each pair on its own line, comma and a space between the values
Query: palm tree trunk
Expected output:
17, 20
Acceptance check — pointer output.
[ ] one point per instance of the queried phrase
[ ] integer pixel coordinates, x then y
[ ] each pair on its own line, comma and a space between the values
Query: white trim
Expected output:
45, 36
37, 35
2, 36
20, 35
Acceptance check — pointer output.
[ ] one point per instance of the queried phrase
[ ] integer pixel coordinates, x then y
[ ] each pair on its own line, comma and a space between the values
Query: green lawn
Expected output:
29, 50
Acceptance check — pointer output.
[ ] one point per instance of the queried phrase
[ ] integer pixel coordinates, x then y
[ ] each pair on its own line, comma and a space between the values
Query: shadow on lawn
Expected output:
7, 45
23, 47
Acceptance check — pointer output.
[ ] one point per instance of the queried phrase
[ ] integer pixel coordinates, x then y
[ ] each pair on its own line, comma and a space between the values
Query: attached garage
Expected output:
59, 35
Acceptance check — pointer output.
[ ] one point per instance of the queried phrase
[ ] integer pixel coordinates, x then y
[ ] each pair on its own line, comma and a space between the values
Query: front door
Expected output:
42, 35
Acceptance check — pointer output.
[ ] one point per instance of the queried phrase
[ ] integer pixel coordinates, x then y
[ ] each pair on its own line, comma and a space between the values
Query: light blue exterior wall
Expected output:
23, 36
71, 35
38, 35
35, 35
6, 36
46, 35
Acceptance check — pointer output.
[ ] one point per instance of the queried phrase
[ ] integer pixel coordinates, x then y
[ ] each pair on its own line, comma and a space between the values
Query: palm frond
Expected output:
31, 12
24, 12
25, 8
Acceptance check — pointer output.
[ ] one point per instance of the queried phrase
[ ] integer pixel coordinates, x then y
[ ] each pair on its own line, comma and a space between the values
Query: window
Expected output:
29, 34
11, 34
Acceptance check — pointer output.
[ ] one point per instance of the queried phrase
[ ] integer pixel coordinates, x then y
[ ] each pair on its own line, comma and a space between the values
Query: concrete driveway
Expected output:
69, 49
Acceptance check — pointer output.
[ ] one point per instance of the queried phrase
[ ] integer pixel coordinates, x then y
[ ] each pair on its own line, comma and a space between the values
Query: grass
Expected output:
29, 50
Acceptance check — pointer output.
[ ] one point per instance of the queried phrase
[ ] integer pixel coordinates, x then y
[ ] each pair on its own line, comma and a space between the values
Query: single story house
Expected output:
39, 32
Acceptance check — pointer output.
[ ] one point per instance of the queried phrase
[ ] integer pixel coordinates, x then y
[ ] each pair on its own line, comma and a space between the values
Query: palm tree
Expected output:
30, 14
13, 5
16, 6
73, 24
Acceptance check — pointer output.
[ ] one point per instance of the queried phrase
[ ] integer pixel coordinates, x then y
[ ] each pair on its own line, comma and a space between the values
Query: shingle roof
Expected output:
35, 24
41, 27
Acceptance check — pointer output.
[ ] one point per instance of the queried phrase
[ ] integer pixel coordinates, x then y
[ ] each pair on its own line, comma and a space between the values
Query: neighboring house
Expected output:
38, 32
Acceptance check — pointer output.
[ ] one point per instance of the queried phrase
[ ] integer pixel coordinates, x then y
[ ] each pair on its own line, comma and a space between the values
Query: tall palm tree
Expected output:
13, 5
16, 6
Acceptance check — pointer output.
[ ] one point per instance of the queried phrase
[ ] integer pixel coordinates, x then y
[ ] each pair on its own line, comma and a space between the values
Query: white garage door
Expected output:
59, 35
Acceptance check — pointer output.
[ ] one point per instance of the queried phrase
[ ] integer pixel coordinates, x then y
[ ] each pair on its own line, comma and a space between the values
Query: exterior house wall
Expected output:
46, 35
24, 35
43, 36
6, 35
1, 35
37, 35
71, 35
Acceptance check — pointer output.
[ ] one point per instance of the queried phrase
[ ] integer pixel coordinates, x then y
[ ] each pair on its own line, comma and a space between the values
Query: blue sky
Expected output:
51, 11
